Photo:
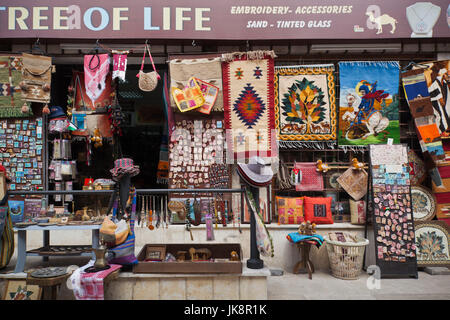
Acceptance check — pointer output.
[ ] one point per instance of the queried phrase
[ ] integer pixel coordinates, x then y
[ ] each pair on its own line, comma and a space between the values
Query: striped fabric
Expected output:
123, 254
6, 237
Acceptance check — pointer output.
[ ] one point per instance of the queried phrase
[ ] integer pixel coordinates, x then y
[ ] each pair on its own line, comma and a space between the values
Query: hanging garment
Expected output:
96, 69
119, 64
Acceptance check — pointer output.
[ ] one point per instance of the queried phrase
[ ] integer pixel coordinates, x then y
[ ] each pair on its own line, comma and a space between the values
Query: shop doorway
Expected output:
142, 132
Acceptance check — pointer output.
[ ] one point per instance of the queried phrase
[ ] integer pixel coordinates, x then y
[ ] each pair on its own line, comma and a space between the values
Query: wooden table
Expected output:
49, 285
304, 248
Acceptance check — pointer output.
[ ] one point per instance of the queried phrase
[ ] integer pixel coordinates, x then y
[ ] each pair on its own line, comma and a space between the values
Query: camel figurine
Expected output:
307, 228
381, 20
356, 164
322, 167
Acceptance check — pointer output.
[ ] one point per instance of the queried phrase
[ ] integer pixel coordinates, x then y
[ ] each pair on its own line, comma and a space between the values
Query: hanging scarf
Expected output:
263, 238
96, 68
119, 64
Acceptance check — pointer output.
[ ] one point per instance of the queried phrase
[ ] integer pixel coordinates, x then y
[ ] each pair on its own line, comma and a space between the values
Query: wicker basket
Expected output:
346, 258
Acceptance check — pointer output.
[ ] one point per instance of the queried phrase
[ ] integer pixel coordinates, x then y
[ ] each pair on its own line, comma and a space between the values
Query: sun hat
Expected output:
122, 167
2, 169
256, 173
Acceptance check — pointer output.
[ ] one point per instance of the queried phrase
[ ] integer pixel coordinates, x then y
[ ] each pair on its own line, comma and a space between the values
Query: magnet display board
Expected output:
393, 223
21, 152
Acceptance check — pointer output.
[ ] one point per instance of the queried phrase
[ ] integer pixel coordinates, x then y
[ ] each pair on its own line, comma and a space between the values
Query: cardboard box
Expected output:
220, 251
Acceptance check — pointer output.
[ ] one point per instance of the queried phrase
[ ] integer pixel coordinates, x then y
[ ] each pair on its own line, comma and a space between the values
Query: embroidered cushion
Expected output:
290, 210
318, 210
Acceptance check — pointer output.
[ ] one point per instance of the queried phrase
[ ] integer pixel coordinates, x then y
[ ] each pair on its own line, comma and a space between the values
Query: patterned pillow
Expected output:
290, 210
318, 210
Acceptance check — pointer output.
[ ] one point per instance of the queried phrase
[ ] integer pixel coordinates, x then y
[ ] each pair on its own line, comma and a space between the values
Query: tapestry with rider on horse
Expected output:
369, 103
305, 108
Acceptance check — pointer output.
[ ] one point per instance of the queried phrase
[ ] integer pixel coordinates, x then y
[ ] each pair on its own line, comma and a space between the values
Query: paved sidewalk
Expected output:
324, 286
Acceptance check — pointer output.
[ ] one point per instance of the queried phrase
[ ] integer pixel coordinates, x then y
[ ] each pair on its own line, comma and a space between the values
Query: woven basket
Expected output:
346, 258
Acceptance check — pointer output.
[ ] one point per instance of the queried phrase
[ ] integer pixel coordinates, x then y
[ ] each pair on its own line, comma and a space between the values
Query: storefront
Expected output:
315, 91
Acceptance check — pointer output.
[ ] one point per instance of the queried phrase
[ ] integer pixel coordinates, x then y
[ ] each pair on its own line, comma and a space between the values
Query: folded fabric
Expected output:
92, 284
296, 237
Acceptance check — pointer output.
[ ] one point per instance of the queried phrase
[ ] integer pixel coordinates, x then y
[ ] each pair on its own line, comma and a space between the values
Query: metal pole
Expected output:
254, 262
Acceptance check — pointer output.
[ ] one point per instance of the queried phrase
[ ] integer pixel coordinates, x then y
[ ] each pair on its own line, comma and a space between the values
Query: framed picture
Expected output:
19, 290
432, 244
155, 253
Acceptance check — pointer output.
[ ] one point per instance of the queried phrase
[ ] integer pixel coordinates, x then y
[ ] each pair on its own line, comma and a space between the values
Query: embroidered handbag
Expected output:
148, 81
36, 78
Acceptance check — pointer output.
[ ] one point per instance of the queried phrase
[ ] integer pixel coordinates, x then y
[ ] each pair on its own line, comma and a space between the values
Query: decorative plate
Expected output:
423, 203
432, 244
49, 272
333, 180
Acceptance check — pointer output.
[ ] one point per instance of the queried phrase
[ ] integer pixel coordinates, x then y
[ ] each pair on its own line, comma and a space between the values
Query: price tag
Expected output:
390, 141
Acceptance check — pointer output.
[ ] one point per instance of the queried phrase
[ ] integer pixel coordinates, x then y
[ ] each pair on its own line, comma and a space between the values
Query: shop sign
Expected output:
225, 19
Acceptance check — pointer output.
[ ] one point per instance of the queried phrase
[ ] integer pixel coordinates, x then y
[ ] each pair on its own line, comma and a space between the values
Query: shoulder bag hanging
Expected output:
148, 81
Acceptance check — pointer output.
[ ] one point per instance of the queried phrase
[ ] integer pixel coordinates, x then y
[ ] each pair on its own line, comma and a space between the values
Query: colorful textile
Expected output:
11, 100
188, 98
442, 192
430, 137
6, 234
36, 78
123, 254
208, 68
210, 93
264, 241
417, 171
119, 64
82, 102
296, 237
290, 210
92, 284
305, 108
368, 111
310, 179
358, 211
318, 210
249, 105
96, 71
354, 182
438, 83
427, 119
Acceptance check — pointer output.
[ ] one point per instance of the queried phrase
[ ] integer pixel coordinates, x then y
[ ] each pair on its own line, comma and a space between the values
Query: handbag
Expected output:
148, 81
36, 78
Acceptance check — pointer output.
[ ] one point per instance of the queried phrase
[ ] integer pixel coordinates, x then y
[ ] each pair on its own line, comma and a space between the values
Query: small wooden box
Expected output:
218, 251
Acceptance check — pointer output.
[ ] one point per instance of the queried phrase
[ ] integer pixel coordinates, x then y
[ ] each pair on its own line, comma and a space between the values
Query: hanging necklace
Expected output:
422, 26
